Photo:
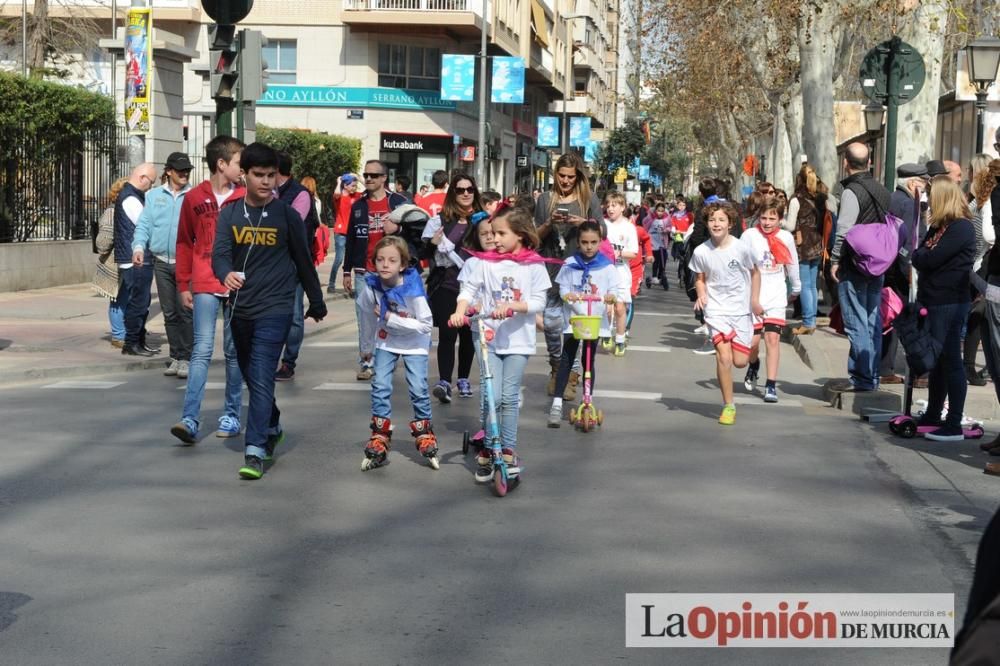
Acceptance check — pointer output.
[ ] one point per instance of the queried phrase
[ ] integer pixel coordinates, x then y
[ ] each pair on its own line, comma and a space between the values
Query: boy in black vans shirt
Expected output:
261, 255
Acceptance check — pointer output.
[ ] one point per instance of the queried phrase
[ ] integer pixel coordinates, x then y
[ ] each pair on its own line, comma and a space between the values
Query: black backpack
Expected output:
922, 350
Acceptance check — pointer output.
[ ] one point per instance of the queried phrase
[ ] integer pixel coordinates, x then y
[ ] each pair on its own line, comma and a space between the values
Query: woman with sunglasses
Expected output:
444, 233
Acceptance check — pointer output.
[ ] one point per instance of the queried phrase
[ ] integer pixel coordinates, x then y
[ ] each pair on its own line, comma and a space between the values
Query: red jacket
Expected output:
195, 238
637, 263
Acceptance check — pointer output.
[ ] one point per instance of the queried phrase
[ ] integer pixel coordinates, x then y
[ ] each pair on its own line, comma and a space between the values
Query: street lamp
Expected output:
984, 60
570, 79
874, 113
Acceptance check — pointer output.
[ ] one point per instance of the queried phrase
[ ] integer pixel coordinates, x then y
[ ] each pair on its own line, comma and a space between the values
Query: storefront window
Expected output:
282, 59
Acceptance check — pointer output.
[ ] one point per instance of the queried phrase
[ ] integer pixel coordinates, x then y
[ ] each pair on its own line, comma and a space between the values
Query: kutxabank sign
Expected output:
371, 98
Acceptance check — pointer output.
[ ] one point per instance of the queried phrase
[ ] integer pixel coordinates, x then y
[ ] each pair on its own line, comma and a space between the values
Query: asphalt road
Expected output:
119, 547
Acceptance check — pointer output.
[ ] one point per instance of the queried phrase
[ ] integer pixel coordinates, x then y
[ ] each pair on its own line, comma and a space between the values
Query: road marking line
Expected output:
626, 395
647, 348
750, 400
83, 384
209, 386
334, 343
343, 386
665, 314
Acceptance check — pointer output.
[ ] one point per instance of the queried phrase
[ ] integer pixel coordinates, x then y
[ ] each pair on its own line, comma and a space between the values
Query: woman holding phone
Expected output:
558, 214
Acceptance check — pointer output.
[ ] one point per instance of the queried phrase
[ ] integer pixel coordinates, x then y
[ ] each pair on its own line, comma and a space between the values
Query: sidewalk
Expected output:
826, 353
64, 332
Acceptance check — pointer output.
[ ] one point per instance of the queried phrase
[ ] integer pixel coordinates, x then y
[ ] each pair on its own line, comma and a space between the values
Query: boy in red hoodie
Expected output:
201, 291
638, 266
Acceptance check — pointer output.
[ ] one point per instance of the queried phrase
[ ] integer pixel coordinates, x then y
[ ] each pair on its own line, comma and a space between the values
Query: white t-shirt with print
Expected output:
490, 284
773, 289
623, 238
601, 282
727, 276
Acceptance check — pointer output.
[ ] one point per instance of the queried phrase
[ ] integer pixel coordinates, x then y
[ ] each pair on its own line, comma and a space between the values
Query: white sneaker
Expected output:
171, 371
555, 416
182, 369
706, 349
701, 330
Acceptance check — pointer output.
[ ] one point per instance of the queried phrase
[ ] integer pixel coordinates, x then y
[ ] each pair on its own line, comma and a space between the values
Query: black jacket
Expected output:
356, 252
944, 270
124, 227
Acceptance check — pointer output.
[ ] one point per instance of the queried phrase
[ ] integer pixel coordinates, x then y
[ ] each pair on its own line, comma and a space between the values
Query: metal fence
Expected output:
52, 189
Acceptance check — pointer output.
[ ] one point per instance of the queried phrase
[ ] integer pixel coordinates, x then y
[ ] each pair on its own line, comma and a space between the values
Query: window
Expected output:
412, 67
281, 57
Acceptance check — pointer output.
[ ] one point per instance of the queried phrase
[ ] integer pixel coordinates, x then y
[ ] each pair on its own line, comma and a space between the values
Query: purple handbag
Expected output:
874, 245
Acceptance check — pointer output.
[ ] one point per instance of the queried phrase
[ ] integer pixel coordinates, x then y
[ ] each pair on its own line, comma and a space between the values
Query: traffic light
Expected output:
222, 53
253, 66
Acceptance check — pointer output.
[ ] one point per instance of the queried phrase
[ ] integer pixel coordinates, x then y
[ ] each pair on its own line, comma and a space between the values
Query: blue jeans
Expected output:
206, 313
297, 332
258, 347
416, 382
507, 371
134, 296
808, 272
860, 297
947, 379
340, 246
359, 285
116, 317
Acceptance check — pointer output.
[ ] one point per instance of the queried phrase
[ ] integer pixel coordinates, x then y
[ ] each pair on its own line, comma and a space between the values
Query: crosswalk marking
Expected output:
647, 348
209, 386
665, 314
538, 345
83, 384
752, 400
334, 343
626, 395
343, 386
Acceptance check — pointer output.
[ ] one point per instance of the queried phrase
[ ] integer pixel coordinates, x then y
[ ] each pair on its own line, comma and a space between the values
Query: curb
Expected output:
17, 376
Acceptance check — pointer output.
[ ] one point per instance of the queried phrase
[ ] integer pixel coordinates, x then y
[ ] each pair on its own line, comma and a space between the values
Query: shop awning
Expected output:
538, 24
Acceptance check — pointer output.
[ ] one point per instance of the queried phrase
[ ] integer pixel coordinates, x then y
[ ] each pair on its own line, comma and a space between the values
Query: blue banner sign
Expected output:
548, 131
458, 77
508, 80
371, 98
579, 131
643, 172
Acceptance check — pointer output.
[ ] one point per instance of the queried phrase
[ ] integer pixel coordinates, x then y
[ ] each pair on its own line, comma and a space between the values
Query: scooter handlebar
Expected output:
472, 315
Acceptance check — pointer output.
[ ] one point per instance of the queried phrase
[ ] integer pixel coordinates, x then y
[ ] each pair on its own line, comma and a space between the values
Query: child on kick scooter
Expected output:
775, 256
510, 278
728, 284
588, 272
396, 323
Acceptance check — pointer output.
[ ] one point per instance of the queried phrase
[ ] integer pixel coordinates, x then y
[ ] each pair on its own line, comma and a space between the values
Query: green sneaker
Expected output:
253, 468
272, 443
728, 416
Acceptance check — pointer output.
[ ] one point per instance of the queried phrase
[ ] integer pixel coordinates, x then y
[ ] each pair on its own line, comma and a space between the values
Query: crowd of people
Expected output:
245, 244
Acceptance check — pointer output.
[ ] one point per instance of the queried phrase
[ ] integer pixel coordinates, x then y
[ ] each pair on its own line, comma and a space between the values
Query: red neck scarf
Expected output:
778, 249
522, 256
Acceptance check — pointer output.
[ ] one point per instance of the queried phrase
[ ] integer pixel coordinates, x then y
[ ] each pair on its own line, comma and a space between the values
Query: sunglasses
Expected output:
372, 176
464, 190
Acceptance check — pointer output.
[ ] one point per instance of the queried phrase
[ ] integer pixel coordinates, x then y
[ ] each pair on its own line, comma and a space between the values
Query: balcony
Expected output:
582, 104
459, 18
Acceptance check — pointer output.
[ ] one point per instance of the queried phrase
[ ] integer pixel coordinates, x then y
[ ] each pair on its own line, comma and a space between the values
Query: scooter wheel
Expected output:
908, 429
465, 442
499, 483
600, 417
572, 417
975, 433
585, 423
893, 428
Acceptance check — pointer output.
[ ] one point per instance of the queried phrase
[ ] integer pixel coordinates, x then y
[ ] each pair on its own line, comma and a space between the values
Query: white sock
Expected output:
557, 402
620, 339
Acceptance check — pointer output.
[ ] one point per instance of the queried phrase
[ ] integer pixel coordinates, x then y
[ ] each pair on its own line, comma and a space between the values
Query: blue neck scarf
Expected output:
410, 286
579, 263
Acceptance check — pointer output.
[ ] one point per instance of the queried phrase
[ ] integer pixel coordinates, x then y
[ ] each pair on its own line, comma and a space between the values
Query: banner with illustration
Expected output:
579, 131
458, 77
548, 131
138, 67
508, 80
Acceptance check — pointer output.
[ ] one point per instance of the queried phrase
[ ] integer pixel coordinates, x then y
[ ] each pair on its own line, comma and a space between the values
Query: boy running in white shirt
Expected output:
774, 254
727, 283
625, 242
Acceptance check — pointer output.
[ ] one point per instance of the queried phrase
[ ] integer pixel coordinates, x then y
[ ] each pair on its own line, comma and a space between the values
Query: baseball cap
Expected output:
347, 179
179, 162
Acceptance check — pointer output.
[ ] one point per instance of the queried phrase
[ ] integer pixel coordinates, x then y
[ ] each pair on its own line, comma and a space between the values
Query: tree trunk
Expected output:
780, 157
38, 38
916, 135
818, 36
791, 109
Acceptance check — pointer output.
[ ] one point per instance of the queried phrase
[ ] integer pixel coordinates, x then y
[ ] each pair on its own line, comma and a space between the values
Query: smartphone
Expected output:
562, 212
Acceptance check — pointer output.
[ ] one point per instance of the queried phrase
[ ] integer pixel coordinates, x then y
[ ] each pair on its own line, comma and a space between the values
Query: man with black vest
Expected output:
293, 193
864, 201
134, 281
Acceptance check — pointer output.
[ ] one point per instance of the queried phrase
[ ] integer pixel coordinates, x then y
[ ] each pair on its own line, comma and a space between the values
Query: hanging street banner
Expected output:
138, 66
458, 77
579, 131
643, 172
590, 152
508, 80
548, 131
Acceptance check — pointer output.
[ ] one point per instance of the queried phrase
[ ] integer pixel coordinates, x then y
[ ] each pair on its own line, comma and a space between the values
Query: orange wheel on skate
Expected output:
585, 423
572, 417
600, 417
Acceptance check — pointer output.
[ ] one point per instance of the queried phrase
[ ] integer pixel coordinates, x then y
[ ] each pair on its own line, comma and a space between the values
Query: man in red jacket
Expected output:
201, 291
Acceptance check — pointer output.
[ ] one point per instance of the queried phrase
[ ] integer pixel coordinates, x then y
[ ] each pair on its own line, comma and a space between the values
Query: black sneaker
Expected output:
285, 373
272, 444
253, 468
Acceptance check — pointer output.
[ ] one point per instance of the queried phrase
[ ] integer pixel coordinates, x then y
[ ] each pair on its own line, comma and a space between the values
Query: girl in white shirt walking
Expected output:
511, 278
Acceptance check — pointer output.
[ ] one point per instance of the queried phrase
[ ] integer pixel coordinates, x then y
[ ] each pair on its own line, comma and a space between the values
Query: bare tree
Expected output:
56, 39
